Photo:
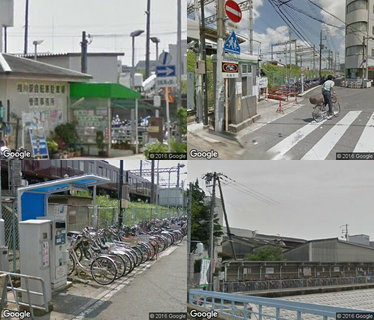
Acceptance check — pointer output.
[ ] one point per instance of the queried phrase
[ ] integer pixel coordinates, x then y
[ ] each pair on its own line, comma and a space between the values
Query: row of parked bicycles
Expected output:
114, 252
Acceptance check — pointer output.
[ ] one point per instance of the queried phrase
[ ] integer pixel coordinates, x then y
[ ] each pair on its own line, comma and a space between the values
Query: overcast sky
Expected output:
270, 28
164, 177
60, 25
315, 197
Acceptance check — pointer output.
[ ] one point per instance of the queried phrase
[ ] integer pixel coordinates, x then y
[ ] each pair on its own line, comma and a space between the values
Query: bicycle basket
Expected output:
316, 99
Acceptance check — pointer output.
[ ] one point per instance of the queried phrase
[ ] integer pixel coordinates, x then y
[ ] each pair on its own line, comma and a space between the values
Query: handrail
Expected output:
8, 285
230, 301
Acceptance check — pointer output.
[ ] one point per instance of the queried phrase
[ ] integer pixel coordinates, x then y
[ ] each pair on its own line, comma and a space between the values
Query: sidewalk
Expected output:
232, 146
81, 301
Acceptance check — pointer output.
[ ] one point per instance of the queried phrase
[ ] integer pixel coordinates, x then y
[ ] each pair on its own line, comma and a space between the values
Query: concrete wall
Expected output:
101, 68
175, 197
49, 116
330, 251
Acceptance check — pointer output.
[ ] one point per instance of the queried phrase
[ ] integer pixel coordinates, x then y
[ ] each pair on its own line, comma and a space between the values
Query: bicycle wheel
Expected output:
120, 264
103, 270
71, 264
317, 113
336, 109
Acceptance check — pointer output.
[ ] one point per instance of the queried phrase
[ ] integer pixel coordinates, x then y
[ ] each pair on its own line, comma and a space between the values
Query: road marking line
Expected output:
288, 143
366, 141
321, 150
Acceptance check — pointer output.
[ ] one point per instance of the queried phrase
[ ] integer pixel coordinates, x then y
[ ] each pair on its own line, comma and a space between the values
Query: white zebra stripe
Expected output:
321, 150
366, 141
292, 140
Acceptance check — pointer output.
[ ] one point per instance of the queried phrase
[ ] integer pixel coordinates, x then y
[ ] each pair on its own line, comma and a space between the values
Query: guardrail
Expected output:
243, 307
6, 282
239, 286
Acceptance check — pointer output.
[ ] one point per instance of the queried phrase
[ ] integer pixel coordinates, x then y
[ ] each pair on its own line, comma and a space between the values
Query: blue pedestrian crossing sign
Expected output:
232, 44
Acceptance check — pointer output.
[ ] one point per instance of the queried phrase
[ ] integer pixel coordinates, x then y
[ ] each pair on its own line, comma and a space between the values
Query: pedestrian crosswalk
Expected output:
323, 147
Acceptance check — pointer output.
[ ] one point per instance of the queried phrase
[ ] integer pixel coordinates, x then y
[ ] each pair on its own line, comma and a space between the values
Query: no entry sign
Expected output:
233, 11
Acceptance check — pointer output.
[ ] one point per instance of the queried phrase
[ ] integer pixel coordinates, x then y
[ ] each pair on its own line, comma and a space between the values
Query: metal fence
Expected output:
243, 286
10, 217
246, 307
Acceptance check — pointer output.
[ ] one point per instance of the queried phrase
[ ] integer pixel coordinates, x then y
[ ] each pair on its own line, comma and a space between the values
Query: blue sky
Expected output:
270, 28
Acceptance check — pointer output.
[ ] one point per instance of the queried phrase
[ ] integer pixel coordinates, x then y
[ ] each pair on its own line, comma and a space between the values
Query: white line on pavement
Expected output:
366, 141
321, 150
288, 143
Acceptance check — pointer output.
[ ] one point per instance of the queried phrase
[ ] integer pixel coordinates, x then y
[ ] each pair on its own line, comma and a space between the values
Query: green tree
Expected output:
266, 254
201, 217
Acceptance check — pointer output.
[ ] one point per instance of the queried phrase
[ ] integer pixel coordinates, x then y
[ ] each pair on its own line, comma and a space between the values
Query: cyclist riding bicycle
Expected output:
327, 91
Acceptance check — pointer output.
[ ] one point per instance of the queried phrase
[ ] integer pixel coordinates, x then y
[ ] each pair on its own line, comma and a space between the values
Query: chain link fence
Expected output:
10, 217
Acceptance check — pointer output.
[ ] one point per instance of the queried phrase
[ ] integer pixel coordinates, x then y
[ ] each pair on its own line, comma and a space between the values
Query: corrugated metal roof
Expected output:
23, 66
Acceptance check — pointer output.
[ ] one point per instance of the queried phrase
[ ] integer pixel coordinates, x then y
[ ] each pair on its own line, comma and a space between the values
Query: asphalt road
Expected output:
161, 288
296, 135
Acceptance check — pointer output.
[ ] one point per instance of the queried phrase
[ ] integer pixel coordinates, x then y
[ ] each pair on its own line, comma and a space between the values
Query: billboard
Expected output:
7, 13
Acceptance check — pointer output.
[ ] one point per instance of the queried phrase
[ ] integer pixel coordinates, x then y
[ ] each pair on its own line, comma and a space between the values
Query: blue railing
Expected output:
243, 307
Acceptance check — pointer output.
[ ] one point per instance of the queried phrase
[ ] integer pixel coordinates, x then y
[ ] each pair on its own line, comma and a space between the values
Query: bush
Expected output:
67, 133
52, 146
154, 147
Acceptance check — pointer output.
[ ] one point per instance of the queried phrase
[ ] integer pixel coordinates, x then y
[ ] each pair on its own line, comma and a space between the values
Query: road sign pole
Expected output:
218, 114
167, 115
136, 126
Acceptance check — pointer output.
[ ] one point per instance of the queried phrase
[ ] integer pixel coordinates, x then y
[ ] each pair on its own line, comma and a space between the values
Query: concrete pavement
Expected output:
159, 285
295, 135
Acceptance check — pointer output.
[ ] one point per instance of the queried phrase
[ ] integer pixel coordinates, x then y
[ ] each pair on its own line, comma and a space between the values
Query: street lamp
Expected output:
156, 41
133, 35
36, 43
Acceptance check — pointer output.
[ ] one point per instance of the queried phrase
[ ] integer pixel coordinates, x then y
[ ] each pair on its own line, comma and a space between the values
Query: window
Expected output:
354, 50
47, 102
69, 163
357, 26
357, 5
31, 102
25, 88
31, 88
36, 101
42, 88
52, 102
57, 89
244, 86
46, 89
81, 165
91, 168
246, 69
100, 171
52, 89
42, 101
19, 88
63, 89
115, 176
36, 88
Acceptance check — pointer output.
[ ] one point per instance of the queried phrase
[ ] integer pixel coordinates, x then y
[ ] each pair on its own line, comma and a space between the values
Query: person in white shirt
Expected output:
327, 91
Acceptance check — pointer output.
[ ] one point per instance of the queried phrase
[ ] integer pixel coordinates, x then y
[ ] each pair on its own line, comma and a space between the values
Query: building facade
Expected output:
360, 26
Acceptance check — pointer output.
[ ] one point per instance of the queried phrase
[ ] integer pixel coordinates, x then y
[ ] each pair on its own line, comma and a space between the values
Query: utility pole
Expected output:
26, 27
147, 39
189, 254
346, 231
205, 79
5, 40
84, 45
320, 54
226, 219
120, 216
218, 112
152, 181
289, 78
179, 55
314, 57
211, 232
363, 60
178, 170
272, 54
199, 96
250, 12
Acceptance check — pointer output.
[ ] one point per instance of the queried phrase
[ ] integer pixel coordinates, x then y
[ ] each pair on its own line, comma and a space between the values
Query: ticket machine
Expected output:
59, 254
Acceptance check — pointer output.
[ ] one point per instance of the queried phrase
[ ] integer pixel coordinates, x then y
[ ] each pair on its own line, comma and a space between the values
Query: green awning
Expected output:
127, 104
102, 90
